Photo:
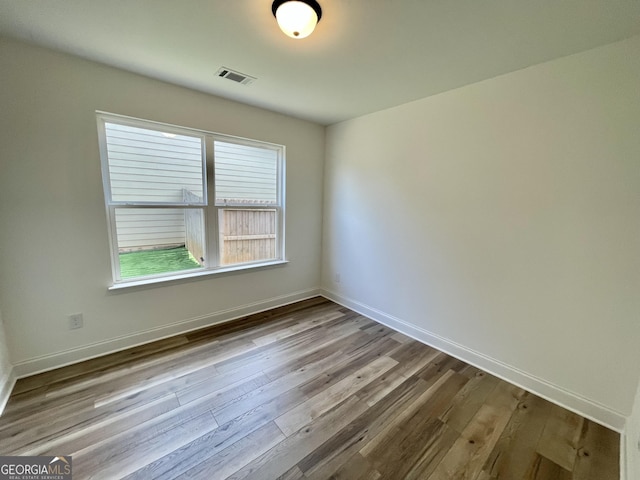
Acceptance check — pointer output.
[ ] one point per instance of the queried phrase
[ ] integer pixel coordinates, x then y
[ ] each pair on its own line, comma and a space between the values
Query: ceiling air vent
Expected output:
237, 77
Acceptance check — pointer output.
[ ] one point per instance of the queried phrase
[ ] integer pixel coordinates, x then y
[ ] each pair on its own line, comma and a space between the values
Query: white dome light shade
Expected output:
297, 19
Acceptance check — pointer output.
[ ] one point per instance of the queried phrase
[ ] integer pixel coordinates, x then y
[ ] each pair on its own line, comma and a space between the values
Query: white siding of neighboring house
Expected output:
140, 229
149, 166
245, 174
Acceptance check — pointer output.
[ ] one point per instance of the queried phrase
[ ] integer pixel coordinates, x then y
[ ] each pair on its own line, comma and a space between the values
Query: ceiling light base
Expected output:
297, 18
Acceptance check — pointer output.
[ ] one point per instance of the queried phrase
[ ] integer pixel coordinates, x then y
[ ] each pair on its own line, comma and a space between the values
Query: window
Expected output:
183, 202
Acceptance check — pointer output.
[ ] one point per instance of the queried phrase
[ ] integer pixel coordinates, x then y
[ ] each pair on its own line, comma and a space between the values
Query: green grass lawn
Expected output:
150, 262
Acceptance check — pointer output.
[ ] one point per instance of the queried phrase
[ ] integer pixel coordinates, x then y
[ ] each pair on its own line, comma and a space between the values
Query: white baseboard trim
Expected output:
6, 387
565, 398
44, 363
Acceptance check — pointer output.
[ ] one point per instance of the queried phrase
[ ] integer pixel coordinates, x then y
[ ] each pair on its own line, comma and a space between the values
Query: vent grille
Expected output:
235, 76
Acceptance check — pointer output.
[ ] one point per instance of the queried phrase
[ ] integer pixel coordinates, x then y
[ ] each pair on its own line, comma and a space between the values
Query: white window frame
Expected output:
211, 211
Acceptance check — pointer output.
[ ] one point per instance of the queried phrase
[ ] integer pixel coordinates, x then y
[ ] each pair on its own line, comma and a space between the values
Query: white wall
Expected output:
54, 252
504, 219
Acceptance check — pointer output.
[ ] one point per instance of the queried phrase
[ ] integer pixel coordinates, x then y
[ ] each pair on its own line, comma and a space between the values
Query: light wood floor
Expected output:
308, 391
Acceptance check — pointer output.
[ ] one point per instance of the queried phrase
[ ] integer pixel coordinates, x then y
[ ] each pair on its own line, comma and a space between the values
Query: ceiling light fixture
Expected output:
297, 18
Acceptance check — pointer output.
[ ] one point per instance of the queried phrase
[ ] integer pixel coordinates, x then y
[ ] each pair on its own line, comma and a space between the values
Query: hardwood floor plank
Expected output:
597, 444
468, 454
415, 448
544, 469
78, 416
20, 402
114, 379
378, 329
271, 390
19, 436
125, 357
381, 387
109, 426
308, 411
173, 376
468, 401
222, 390
515, 451
470, 371
356, 468
441, 363
188, 456
402, 338
410, 360
293, 474
313, 355
339, 339
559, 439
352, 360
434, 399
144, 432
417, 439
116, 459
432, 453
410, 350
413, 360
294, 448
483, 475
237, 455
274, 353
308, 322
352, 318
256, 322
332, 454
309, 391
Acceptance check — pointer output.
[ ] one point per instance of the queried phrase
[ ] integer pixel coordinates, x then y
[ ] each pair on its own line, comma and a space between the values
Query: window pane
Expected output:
247, 235
153, 166
245, 175
152, 241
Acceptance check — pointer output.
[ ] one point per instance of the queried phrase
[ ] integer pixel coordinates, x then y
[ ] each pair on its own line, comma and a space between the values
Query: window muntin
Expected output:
157, 179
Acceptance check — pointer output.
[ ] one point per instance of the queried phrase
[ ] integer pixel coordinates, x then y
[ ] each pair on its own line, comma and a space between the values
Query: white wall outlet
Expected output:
336, 278
76, 321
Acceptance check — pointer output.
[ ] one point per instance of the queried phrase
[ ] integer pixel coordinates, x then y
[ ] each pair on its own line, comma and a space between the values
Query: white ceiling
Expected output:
365, 55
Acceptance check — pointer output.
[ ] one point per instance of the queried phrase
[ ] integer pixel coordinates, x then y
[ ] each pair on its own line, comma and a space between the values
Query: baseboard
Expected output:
565, 398
44, 363
6, 387
554, 393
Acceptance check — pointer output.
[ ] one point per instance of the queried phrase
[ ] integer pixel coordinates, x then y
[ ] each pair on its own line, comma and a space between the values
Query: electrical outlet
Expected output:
76, 321
337, 278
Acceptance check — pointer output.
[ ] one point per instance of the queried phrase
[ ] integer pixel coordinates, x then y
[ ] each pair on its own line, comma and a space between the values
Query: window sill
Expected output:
160, 281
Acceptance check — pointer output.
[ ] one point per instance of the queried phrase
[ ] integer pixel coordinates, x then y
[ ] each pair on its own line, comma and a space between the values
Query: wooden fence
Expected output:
247, 235
193, 226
